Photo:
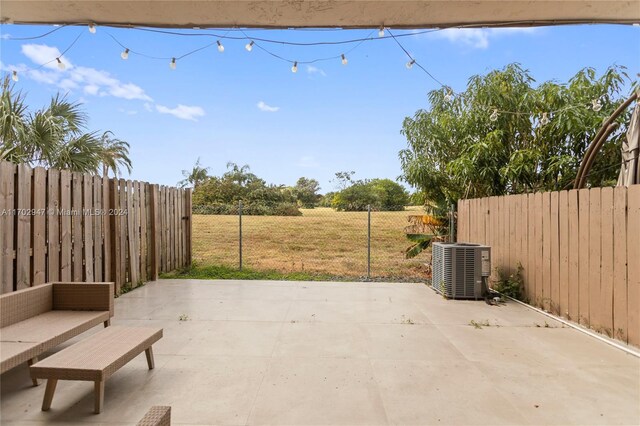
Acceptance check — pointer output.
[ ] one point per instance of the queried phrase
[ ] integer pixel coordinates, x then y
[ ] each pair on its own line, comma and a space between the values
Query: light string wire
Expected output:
247, 37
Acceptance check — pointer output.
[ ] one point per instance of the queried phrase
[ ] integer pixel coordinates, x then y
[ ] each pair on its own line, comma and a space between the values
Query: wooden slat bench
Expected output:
95, 359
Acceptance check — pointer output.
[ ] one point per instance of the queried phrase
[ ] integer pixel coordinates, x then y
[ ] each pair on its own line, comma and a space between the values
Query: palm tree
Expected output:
115, 153
195, 176
54, 136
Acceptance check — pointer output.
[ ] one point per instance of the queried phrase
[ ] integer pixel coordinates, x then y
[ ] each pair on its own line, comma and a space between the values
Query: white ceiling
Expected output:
321, 13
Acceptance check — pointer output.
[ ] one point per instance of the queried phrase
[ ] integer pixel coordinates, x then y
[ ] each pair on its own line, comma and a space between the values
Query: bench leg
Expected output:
98, 394
149, 353
30, 363
107, 323
48, 394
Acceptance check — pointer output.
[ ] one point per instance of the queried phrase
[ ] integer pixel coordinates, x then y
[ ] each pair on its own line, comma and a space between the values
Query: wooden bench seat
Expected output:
95, 359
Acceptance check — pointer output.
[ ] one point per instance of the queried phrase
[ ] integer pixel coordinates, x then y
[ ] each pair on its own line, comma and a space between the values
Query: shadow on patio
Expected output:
299, 353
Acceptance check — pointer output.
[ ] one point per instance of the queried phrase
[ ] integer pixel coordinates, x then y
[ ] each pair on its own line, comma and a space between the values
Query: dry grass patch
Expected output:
320, 241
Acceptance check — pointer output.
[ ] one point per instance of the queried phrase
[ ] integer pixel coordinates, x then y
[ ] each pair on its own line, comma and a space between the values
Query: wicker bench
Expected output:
95, 359
37, 319
158, 415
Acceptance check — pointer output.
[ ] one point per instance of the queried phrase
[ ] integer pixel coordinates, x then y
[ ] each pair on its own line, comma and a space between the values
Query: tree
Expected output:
306, 192
380, 194
466, 147
343, 179
194, 177
115, 153
55, 136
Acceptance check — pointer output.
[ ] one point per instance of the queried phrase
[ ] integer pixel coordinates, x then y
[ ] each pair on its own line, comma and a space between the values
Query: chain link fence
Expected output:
359, 245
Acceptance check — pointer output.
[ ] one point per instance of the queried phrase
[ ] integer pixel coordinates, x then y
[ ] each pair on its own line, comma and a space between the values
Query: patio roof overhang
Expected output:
322, 13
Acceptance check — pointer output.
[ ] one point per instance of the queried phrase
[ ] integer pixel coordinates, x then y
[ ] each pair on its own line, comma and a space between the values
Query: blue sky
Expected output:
249, 108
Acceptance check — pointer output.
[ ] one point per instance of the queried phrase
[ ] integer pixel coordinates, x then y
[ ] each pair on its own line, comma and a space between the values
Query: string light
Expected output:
61, 64
545, 119
410, 64
381, 31
172, 64
249, 46
344, 59
14, 75
92, 28
220, 46
294, 68
596, 105
494, 115
125, 55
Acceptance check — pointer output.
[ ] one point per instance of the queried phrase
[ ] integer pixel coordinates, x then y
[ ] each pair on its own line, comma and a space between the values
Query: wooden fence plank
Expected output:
39, 222
66, 267
620, 263
633, 272
23, 229
539, 248
106, 228
530, 282
546, 251
7, 223
154, 231
143, 232
606, 271
87, 225
97, 229
583, 260
134, 261
76, 223
123, 212
563, 229
116, 235
595, 234
53, 225
554, 296
574, 255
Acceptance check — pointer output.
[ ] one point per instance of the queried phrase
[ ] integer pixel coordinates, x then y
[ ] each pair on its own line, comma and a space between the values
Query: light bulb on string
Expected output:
220, 47
61, 64
14, 75
494, 115
344, 59
92, 28
125, 55
545, 119
249, 46
173, 64
596, 105
410, 64
294, 68
381, 32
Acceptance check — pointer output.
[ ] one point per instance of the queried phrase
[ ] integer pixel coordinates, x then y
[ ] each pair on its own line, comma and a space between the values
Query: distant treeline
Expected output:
221, 195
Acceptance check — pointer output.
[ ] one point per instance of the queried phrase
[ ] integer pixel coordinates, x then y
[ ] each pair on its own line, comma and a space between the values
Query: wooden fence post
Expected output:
189, 227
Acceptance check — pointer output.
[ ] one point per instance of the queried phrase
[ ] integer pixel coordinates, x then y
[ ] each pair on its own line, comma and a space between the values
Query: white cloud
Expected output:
93, 81
183, 112
479, 38
67, 85
91, 89
41, 54
148, 106
315, 70
266, 108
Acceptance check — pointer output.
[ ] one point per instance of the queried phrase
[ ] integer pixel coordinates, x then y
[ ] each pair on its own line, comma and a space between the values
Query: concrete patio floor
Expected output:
303, 353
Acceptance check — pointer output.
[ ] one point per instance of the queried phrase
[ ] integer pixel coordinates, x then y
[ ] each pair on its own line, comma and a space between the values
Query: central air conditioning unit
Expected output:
459, 270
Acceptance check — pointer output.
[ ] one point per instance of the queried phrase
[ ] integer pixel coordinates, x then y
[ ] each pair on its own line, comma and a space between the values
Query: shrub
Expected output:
512, 285
249, 209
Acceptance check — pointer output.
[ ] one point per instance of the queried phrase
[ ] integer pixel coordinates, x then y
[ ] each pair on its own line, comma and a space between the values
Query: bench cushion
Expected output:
52, 328
14, 353
98, 356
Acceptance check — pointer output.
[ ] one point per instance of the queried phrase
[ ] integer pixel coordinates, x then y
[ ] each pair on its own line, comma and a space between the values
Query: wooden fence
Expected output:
579, 249
63, 226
